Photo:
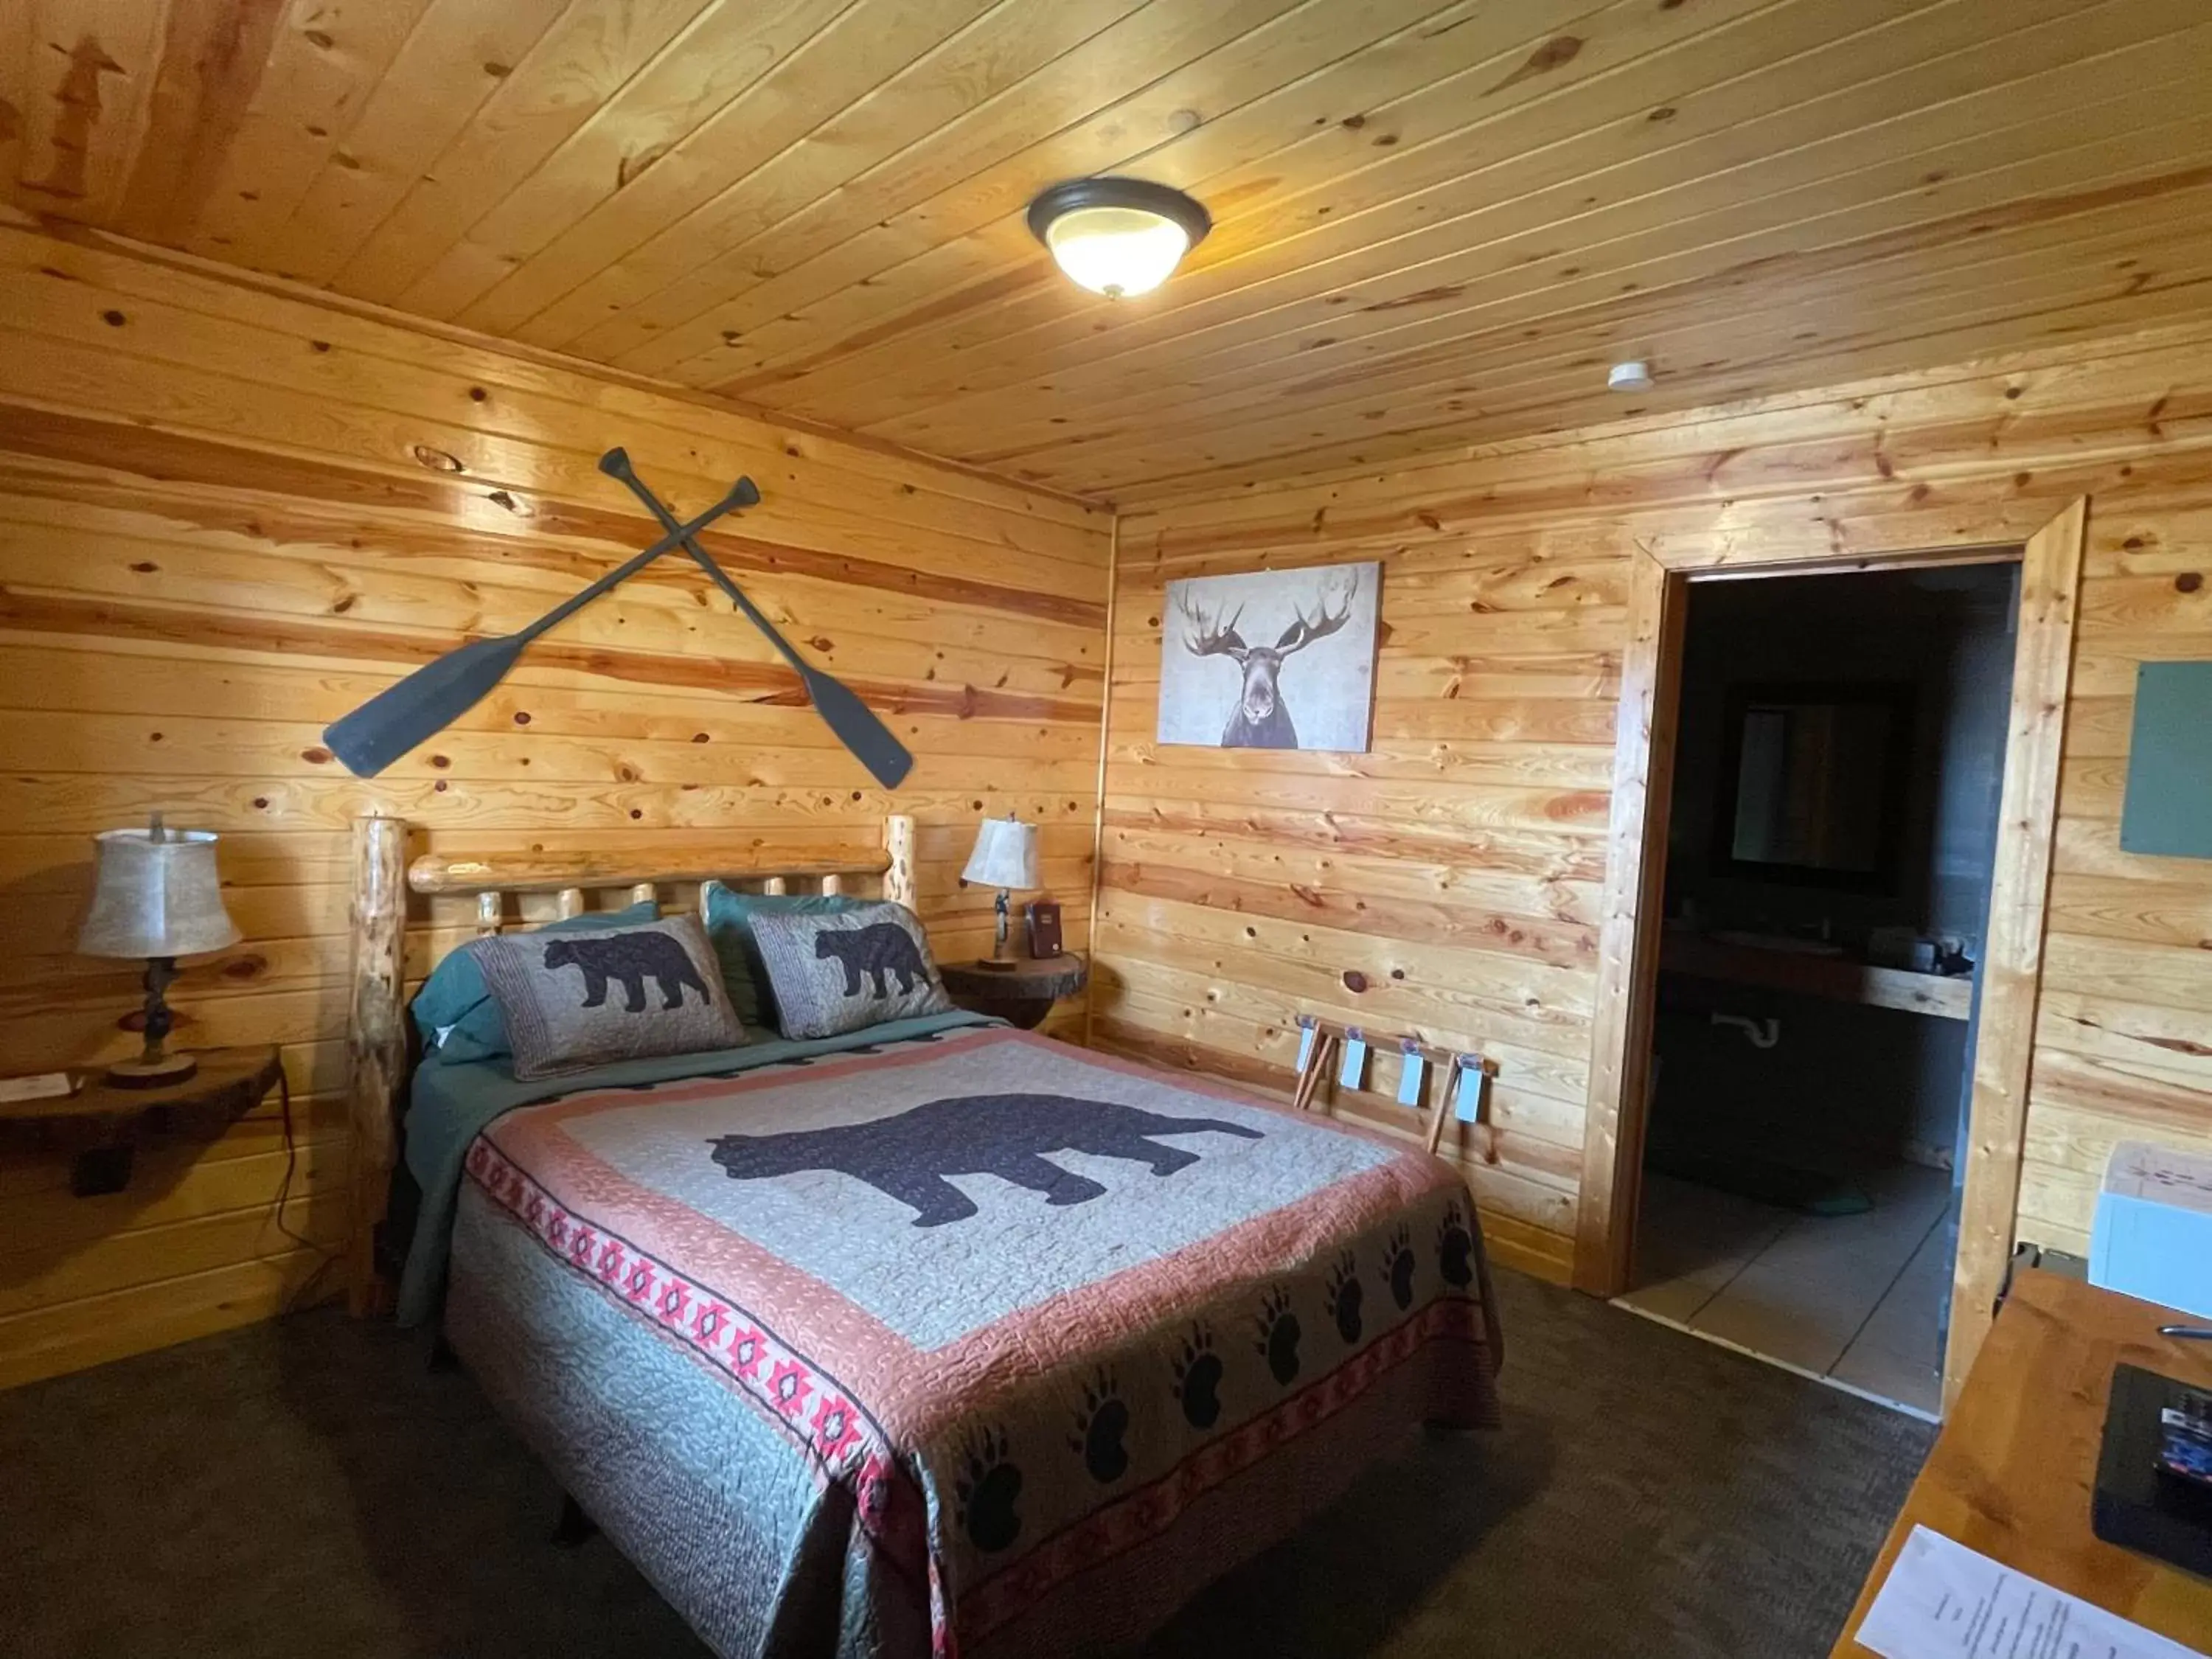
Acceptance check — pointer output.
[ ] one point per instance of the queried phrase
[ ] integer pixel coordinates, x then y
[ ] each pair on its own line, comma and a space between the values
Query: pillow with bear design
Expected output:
456, 1011
585, 997
831, 973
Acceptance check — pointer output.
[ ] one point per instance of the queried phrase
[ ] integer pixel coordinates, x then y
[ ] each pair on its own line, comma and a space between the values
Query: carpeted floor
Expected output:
309, 1486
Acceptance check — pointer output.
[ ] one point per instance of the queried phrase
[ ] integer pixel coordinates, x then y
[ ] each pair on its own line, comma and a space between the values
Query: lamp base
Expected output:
997, 964
158, 1073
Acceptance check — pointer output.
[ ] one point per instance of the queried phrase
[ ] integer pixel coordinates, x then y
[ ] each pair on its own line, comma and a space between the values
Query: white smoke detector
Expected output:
1634, 376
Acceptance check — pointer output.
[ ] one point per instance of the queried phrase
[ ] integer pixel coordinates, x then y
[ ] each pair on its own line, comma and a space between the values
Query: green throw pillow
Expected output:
455, 999
729, 917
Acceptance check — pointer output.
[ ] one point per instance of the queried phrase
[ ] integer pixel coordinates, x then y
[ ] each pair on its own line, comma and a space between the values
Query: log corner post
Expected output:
898, 847
376, 1045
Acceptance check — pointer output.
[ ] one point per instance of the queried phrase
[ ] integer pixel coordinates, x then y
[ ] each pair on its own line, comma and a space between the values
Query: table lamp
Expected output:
156, 897
1005, 857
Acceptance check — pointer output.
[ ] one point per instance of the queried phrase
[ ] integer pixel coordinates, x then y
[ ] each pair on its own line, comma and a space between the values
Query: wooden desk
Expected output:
2012, 1472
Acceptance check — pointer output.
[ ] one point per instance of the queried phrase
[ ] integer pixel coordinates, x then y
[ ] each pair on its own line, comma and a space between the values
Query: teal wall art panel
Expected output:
2168, 811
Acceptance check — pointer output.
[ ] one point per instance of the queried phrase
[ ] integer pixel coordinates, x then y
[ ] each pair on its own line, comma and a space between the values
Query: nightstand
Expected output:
104, 1126
1023, 995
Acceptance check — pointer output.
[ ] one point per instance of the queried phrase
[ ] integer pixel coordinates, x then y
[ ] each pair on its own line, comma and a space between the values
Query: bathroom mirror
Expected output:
1814, 780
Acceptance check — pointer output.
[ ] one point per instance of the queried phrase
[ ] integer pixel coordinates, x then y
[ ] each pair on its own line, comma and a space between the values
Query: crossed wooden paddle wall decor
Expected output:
434, 697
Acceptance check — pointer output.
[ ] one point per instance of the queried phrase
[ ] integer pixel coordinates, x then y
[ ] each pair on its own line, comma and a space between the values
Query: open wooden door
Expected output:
2011, 973
2012, 949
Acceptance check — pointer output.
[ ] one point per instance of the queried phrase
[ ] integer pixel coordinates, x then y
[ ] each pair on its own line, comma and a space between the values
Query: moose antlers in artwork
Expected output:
1260, 720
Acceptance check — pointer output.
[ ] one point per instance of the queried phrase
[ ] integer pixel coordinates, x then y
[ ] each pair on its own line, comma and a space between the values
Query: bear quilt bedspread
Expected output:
1014, 1341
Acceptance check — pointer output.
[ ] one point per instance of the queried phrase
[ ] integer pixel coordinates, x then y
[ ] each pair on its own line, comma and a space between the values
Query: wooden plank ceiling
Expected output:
1437, 223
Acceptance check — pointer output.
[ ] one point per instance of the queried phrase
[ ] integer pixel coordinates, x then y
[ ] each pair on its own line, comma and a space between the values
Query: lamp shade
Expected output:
1005, 854
155, 894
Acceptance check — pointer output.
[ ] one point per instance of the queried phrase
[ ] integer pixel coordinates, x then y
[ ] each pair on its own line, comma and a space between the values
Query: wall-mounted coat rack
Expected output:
1466, 1075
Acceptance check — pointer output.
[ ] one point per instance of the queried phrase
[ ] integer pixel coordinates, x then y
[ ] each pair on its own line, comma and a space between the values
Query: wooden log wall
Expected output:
1450, 880
227, 515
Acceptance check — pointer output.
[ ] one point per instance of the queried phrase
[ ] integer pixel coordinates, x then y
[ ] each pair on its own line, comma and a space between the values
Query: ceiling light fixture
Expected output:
1632, 376
1117, 237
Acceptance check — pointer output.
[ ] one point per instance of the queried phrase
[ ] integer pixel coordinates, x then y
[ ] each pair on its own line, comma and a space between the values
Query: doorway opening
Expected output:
1838, 764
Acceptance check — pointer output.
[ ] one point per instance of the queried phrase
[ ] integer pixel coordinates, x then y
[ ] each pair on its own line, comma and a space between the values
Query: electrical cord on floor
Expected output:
328, 1253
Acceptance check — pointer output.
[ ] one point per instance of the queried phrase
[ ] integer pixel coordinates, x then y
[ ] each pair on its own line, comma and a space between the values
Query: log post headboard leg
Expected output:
898, 844
376, 1043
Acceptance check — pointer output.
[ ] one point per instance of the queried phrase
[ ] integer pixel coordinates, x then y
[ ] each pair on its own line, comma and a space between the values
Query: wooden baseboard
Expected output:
72, 1336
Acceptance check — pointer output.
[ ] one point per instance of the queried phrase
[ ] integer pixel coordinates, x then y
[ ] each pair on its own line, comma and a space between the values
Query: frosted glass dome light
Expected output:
1117, 237
1116, 252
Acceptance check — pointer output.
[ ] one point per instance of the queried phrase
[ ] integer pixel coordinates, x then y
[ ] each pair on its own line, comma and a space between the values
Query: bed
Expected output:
934, 1338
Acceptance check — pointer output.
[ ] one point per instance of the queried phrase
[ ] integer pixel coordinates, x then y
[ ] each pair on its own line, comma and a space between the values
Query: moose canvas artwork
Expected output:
1271, 658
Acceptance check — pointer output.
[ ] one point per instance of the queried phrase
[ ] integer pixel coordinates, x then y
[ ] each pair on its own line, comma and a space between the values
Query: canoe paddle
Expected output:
853, 720
438, 693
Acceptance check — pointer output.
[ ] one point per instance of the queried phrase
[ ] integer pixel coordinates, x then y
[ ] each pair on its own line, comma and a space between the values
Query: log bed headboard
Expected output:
376, 1026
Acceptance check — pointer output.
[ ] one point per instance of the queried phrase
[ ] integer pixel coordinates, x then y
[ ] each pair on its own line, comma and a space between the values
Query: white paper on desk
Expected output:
1943, 1601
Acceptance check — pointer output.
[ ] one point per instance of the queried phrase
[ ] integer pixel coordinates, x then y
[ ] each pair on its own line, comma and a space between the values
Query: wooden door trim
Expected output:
2011, 970
2012, 967
1627, 969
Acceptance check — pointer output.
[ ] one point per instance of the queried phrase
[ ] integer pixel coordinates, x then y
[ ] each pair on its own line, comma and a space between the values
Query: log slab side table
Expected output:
1023, 995
103, 1128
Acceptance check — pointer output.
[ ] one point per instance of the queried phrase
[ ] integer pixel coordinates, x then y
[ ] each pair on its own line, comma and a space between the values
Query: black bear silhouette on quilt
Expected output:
908, 1156
632, 959
880, 949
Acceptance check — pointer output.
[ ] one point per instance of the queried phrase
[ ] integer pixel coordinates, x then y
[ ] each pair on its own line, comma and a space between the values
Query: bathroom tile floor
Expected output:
1855, 1301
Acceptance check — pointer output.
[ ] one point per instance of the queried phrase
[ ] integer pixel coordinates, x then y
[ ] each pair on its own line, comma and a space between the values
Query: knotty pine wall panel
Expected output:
227, 516
1447, 882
